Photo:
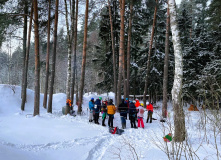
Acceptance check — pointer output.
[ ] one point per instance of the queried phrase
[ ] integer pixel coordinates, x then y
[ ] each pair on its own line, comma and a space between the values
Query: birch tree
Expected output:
68, 82
74, 53
179, 118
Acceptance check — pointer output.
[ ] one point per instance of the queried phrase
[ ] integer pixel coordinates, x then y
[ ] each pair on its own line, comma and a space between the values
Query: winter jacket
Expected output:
123, 108
137, 104
150, 107
111, 109
104, 107
127, 102
97, 106
91, 105
132, 108
140, 112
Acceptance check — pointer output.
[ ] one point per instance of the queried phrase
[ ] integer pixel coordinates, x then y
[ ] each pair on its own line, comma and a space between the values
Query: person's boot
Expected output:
135, 126
132, 125
103, 123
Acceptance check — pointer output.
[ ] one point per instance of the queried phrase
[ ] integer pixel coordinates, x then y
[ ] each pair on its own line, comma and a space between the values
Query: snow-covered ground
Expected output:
57, 137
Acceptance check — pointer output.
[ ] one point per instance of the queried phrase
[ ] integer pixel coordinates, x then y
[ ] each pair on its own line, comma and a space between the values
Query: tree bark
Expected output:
166, 60
68, 82
69, 53
37, 60
191, 18
83, 60
121, 50
74, 52
149, 54
47, 57
179, 117
26, 62
113, 51
128, 50
53, 59
24, 48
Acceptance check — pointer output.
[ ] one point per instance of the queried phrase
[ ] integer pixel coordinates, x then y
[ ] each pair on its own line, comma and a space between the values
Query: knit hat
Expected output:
100, 98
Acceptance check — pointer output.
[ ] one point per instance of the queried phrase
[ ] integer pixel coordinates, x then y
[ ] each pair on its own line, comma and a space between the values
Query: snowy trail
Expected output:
100, 148
52, 145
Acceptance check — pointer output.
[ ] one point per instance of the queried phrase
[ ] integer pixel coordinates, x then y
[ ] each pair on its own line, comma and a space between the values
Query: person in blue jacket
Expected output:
97, 107
91, 107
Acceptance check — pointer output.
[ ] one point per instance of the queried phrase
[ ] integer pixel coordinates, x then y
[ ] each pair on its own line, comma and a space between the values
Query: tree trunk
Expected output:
69, 53
68, 82
53, 59
37, 60
166, 60
47, 57
83, 60
26, 62
128, 50
121, 50
191, 18
74, 52
149, 55
24, 48
113, 51
77, 91
179, 118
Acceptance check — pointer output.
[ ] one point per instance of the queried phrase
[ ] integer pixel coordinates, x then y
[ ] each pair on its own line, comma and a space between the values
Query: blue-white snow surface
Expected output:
58, 137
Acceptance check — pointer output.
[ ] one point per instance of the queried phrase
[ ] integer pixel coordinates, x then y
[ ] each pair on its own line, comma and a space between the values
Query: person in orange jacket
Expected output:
137, 104
111, 109
150, 112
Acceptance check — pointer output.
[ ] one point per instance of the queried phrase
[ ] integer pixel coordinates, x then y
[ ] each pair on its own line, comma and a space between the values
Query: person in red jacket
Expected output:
150, 112
137, 104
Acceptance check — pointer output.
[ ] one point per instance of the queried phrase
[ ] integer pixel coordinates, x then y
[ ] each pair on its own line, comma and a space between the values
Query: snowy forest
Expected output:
156, 51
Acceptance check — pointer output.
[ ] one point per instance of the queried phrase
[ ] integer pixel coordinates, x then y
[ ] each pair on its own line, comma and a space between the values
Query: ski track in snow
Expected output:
55, 145
98, 151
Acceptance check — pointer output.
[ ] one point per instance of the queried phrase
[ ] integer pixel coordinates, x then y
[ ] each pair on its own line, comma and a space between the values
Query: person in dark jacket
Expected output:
132, 114
127, 103
123, 113
97, 107
104, 111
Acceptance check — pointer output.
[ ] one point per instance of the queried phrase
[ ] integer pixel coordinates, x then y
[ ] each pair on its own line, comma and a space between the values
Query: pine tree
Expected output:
37, 59
51, 89
83, 60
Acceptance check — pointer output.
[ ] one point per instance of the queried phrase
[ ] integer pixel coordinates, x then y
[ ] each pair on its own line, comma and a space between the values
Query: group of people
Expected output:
135, 109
